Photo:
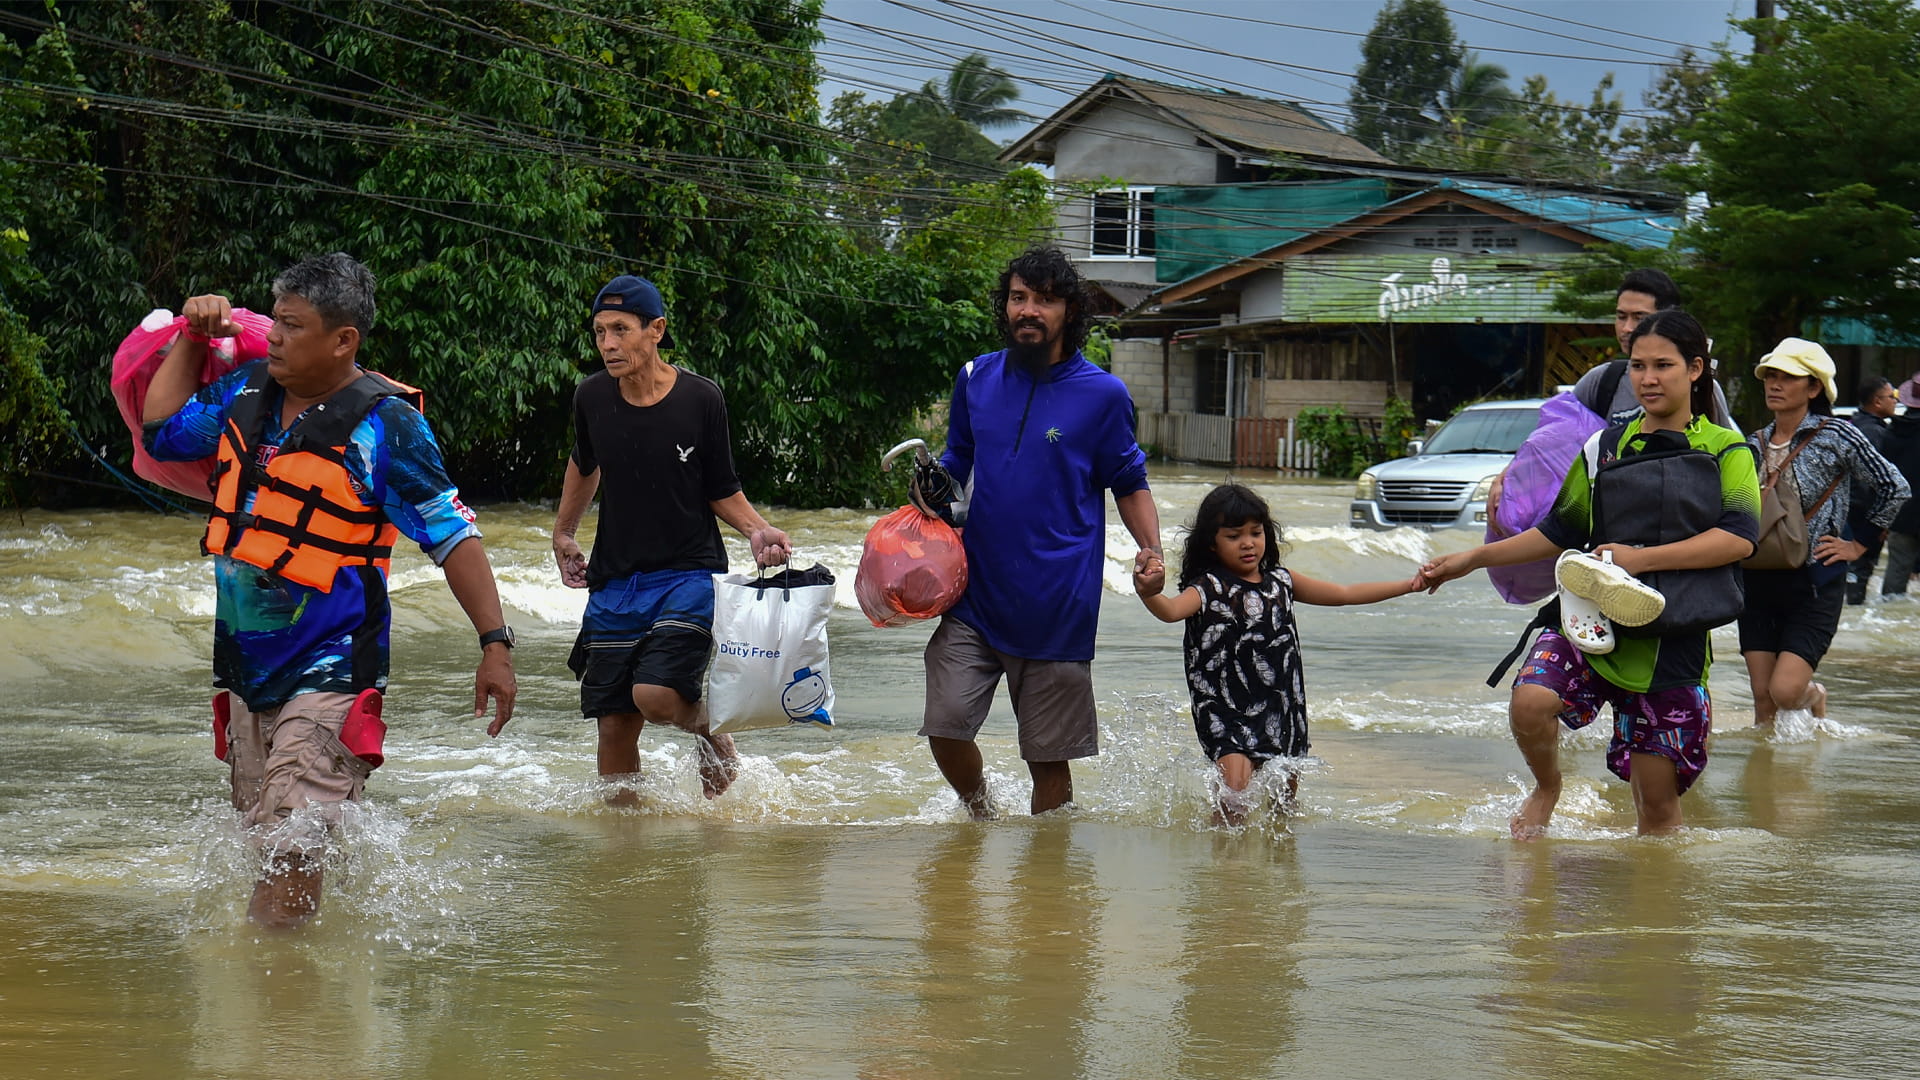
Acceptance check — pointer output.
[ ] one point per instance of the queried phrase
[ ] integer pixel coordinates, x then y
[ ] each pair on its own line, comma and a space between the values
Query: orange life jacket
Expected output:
308, 518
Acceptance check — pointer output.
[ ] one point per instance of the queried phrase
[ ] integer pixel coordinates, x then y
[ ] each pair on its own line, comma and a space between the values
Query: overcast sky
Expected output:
1295, 50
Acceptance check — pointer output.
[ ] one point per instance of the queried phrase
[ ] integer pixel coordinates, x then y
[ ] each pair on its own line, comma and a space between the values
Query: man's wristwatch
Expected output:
504, 635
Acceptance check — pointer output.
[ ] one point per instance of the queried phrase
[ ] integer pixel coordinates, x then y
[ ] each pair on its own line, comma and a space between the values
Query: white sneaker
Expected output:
1582, 624
1619, 595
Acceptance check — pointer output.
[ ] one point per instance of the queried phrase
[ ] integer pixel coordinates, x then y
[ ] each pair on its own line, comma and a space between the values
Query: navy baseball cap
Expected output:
629, 293
636, 295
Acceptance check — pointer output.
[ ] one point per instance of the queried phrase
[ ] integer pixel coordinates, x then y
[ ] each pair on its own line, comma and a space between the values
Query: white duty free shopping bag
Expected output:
770, 665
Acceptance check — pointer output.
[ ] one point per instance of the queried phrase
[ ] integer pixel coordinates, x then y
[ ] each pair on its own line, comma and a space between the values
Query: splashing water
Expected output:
1801, 726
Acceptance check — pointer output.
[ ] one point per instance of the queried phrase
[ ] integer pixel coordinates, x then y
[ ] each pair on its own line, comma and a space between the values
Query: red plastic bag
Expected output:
134, 364
912, 567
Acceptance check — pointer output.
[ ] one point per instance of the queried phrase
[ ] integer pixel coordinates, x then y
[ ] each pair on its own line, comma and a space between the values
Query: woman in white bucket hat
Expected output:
1807, 458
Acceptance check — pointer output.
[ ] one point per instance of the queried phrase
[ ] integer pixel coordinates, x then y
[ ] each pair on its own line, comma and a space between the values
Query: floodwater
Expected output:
834, 915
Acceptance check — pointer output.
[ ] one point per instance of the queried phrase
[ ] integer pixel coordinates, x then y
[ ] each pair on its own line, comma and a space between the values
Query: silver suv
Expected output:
1444, 484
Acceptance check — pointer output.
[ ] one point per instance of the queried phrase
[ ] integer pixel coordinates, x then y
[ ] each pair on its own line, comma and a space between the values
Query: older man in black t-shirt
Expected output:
642, 651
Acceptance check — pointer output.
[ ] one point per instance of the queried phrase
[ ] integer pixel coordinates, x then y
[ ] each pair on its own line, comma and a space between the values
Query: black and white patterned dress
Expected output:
1243, 668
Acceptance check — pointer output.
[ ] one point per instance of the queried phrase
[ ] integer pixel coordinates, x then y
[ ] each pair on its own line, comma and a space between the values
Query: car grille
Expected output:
1418, 517
1416, 493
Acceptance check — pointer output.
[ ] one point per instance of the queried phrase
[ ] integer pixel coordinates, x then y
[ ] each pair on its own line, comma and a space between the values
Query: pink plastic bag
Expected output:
1531, 484
911, 567
139, 357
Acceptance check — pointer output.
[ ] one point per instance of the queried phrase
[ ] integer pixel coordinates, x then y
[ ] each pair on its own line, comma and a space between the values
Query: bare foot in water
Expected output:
1817, 700
719, 764
1530, 823
624, 798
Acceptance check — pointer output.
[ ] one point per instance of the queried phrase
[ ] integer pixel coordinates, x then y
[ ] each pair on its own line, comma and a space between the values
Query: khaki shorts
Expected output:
289, 759
1052, 699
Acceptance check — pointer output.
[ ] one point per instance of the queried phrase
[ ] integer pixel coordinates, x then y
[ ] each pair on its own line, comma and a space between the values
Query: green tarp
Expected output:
1199, 228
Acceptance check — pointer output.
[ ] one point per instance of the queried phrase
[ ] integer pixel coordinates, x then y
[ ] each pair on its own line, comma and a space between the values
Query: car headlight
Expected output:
1483, 489
1367, 488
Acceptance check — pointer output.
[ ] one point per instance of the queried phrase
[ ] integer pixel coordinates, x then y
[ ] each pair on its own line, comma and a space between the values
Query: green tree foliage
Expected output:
1477, 96
493, 162
977, 93
1658, 145
903, 329
1406, 62
1808, 165
33, 422
1535, 135
904, 159
1474, 129
1561, 140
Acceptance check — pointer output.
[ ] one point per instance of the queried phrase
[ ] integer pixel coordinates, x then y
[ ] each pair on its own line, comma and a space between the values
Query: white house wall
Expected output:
1126, 142
1260, 296
1122, 142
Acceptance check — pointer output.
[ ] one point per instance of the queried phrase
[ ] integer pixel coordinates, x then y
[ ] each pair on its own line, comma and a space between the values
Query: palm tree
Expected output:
1478, 128
1475, 98
979, 93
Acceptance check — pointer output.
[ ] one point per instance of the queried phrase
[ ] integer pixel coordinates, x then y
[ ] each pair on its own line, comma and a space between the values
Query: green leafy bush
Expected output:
1346, 445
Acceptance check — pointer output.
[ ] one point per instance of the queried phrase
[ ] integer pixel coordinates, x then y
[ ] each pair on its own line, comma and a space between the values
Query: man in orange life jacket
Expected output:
322, 466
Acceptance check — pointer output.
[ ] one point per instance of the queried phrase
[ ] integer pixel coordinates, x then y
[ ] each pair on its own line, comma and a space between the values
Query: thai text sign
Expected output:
1428, 287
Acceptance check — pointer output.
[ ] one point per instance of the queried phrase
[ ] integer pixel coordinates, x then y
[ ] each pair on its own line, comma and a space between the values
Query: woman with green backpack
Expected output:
1795, 580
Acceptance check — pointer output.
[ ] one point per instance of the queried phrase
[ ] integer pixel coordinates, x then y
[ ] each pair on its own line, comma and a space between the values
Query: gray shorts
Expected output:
1052, 699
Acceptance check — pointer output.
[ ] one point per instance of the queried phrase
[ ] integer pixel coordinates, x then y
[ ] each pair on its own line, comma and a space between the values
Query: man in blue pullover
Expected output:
1041, 435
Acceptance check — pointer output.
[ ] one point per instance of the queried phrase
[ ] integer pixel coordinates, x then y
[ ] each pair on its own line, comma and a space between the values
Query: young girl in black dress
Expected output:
1242, 651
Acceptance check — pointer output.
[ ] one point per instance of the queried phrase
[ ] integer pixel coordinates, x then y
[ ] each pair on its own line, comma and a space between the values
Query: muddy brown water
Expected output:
834, 915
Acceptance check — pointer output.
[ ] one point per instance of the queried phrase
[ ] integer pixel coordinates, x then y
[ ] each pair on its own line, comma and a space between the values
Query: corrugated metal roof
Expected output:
1606, 219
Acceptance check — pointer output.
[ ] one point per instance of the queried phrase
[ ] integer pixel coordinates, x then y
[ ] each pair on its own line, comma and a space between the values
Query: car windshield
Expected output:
1485, 431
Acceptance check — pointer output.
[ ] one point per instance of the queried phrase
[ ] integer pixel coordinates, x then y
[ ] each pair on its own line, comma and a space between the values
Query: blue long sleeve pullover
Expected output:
1041, 455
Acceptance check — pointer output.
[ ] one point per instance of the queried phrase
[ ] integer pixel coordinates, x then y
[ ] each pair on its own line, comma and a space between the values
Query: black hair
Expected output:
1870, 388
1047, 270
1819, 406
1688, 336
1225, 507
1655, 283
337, 285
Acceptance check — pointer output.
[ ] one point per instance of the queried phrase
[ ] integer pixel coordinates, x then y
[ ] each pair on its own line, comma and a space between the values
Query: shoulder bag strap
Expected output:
1822, 500
1773, 477
1610, 387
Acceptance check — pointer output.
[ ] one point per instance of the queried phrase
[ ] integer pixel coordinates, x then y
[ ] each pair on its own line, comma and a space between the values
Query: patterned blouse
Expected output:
1839, 450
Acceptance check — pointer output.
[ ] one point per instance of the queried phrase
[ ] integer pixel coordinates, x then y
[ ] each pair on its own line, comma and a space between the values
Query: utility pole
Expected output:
1763, 36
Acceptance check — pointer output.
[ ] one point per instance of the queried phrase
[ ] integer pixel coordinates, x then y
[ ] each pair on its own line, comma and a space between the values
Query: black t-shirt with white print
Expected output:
660, 465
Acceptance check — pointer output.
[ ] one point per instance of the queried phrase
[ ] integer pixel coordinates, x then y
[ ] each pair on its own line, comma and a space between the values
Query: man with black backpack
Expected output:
1642, 292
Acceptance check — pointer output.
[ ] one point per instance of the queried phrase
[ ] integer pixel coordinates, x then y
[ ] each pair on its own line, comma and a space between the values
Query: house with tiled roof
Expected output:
1132, 137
